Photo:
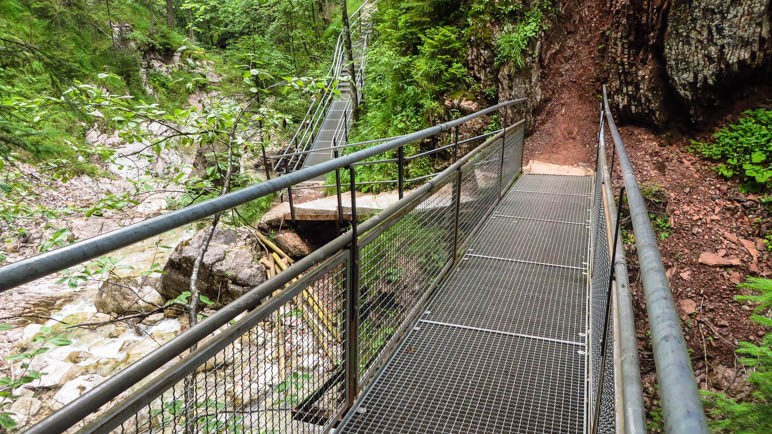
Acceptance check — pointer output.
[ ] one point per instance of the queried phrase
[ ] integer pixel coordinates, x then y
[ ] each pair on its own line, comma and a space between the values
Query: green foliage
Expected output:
59, 238
753, 414
44, 46
418, 57
250, 212
438, 66
744, 149
512, 45
656, 201
762, 300
290, 389
98, 269
661, 226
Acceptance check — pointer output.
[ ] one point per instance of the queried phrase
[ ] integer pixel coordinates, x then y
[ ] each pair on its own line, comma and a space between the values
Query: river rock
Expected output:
227, 271
24, 408
121, 296
54, 373
75, 388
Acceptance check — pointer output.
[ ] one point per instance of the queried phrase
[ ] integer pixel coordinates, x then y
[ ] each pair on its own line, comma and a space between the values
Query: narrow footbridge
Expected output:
485, 300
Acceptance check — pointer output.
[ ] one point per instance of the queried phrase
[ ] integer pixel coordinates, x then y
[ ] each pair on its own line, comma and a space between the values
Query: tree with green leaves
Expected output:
350, 60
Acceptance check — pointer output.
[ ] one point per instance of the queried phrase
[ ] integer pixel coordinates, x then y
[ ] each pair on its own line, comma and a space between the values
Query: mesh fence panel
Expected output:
282, 368
398, 268
479, 192
284, 374
513, 155
601, 273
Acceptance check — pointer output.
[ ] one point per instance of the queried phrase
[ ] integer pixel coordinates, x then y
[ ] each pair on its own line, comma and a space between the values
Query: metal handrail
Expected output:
54, 261
93, 400
681, 405
632, 409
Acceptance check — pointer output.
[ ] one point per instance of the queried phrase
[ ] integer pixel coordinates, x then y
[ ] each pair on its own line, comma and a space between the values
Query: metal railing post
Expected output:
456, 212
338, 187
503, 144
262, 149
345, 127
292, 159
352, 302
292, 206
289, 195
455, 144
401, 171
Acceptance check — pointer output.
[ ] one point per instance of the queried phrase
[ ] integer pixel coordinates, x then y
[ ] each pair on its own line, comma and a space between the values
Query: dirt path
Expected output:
565, 129
696, 212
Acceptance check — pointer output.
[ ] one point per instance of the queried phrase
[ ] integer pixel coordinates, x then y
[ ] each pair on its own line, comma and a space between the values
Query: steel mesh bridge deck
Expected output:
501, 346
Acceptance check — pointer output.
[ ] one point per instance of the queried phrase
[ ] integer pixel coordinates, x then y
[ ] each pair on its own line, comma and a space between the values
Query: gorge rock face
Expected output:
664, 57
710, 44
526, 83
510, 81
228, 269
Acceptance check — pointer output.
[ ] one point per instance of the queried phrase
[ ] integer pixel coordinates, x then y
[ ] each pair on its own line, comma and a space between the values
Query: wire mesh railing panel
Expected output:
513, 155
398, 268
283, 374
479, 192
601, 273
500, 348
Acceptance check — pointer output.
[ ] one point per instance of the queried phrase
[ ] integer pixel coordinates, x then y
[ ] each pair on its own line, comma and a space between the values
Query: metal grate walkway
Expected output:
501, 347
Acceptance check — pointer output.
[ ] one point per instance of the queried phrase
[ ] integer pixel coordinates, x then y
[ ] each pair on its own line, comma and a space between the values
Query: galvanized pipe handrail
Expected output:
47, 263
113, 386
330, 148
633, 409
452, 145
681, 406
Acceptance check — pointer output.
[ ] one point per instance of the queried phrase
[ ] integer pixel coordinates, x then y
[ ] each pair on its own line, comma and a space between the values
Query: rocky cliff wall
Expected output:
670, 60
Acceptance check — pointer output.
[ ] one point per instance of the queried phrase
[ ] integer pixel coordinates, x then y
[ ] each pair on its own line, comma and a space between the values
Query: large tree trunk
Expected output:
679, 60
170, 13
350, 60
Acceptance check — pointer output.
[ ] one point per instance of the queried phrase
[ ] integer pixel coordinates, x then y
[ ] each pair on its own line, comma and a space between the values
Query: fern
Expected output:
512, 45
764, 299
753, 414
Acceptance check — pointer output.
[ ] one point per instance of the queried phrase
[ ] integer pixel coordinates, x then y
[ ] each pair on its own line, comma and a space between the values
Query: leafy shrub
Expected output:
512, 45
744, 149
752, 414
438, 66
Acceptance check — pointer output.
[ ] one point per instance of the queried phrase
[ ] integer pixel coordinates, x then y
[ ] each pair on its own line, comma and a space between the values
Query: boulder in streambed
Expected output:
228, 270
125, 295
